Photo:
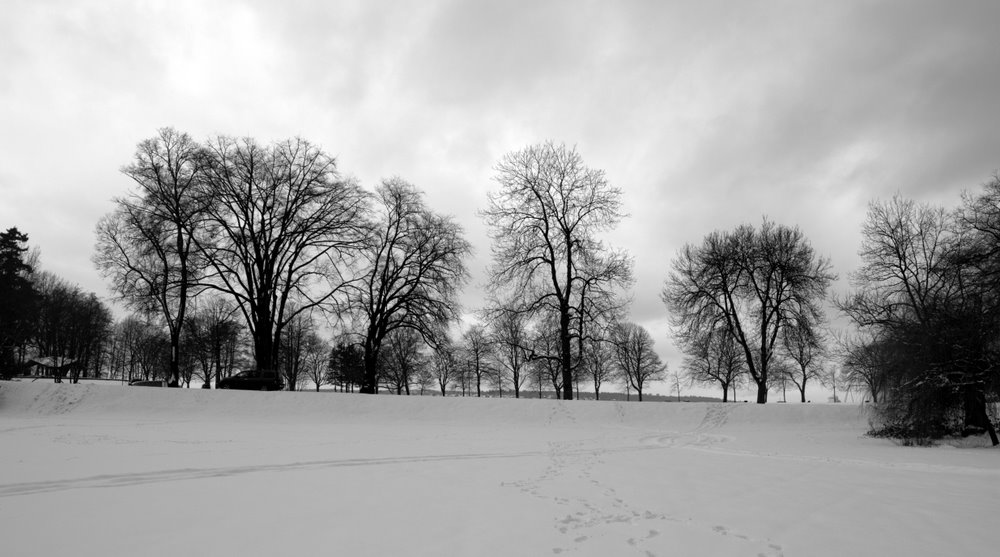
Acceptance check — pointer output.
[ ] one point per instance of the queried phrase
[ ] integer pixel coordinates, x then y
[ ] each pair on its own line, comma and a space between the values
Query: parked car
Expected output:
148, 383
253, 380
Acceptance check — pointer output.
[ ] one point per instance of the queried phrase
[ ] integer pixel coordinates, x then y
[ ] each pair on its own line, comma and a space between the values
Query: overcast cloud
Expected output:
706, 114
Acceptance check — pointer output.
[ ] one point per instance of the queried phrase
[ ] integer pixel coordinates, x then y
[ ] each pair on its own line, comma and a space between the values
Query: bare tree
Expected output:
476, 351
413, 270
71, 325
145, 247
402, 359
805, 347
280, 229
443, 365
638, 362
543, 220
298, 341
509, 336
751, 281
598, 357
713, 356
212, 336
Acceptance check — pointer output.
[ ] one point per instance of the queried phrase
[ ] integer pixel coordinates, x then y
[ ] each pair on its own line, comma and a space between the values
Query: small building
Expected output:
56, 367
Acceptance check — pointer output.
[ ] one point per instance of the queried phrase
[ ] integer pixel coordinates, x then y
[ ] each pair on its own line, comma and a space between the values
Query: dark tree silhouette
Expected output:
751, 281
637, 361
402, 360
413, 268
346, 366
598, 361
805, 347
508, 334
72, 325
713, 356
212, 335
476, 352
926, 292
280, 230
544, 222
17, 299
145, 246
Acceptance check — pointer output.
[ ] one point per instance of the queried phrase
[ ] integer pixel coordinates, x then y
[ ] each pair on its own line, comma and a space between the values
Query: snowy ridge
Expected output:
46, 399
166, 472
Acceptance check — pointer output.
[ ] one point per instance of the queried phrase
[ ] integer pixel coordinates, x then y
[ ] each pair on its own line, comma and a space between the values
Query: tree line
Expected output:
231, 250
747, 307
271, 244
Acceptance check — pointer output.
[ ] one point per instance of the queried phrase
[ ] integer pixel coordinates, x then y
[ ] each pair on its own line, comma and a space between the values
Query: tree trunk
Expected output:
369, 382
566, 359
762, 392
976, 417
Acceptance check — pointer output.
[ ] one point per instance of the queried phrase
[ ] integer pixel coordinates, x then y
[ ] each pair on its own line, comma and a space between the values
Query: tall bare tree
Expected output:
751, 281
545, 217
145, 246
413, 268
280, 230
638, 362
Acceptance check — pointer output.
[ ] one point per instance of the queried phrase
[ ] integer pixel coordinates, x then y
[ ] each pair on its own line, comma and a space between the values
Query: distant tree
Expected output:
443, 366
751, 281
476, 351
805, 347
637, 361
72, 325
281, 229
675, 384
402, 359
17, 298
544, 222
315, 362
598, 358
212, 337
346, 367
781, 376
509, 335
833, 378
297, 341
713, 357
145, 247
546, 356
412, 270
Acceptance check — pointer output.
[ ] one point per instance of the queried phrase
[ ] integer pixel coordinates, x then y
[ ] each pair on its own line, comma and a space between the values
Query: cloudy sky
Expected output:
707, 114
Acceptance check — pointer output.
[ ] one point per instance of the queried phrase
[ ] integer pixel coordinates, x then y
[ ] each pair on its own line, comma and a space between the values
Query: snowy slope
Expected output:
145, 471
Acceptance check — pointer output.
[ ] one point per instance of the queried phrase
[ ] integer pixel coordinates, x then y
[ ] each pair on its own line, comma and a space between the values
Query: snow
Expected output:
115, 470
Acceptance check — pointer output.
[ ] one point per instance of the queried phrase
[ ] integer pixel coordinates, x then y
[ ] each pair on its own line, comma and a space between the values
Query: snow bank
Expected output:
114, 470
48, 399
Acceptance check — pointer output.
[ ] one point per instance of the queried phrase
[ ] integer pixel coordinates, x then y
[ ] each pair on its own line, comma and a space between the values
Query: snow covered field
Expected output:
111, 470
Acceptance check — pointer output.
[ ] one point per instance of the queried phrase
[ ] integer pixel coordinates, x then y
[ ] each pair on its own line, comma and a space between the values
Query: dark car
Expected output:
253, 380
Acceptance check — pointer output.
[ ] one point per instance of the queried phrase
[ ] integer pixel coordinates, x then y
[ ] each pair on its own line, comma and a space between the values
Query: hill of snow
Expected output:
117, 470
